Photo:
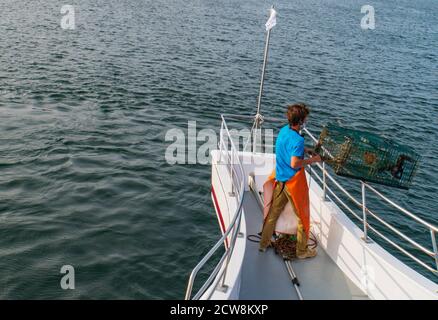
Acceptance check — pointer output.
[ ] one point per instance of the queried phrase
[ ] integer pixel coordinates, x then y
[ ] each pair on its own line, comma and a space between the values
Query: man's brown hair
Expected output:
296, 113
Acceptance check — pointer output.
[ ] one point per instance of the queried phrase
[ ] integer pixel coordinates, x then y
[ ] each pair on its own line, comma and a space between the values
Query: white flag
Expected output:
272, 21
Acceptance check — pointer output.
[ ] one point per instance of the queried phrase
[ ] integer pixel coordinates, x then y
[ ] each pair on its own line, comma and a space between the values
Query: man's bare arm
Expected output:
297, 162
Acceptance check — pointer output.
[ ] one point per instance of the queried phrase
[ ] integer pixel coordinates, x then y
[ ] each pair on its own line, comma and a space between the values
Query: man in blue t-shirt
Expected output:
289, 150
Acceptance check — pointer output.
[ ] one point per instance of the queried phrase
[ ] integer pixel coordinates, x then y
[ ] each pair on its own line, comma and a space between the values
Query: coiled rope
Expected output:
286, 245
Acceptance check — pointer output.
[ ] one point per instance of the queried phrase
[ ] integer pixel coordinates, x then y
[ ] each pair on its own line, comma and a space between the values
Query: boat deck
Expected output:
265, 277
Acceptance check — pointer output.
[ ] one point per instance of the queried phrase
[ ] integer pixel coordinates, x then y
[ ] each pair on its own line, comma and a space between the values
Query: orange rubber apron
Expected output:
299, 192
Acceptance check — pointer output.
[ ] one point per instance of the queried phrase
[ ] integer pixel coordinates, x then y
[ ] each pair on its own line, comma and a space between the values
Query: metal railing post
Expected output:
223, 287
221, 133
435, 249
230, 249
232, 193
364, 212
234, 235
324, 182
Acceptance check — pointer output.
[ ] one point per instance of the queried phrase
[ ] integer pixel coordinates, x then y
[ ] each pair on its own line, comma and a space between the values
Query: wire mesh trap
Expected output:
367, 156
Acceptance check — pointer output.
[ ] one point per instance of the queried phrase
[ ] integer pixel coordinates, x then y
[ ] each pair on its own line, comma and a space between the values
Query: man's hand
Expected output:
316, 158
310, 151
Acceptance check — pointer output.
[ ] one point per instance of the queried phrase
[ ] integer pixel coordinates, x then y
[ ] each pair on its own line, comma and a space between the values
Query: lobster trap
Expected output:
367, 156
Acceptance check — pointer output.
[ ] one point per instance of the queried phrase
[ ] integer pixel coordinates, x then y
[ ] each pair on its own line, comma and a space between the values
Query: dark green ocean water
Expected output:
84, 113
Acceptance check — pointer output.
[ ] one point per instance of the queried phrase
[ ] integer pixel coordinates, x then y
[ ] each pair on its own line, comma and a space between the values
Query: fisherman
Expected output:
290, 182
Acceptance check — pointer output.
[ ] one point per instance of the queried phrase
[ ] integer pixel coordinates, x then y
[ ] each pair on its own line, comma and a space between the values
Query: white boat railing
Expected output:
236, 172
366, 211
328, 192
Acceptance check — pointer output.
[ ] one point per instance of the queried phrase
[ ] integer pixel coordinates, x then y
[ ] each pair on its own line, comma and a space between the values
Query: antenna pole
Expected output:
258, 117
265, 58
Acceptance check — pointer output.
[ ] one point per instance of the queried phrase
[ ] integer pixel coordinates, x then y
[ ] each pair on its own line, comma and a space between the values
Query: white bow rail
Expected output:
235, 168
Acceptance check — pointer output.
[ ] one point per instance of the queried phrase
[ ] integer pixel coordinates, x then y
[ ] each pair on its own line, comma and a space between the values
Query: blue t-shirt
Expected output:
289, 143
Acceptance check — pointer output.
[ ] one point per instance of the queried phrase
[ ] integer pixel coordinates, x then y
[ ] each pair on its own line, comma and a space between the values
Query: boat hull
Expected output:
372, 269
